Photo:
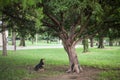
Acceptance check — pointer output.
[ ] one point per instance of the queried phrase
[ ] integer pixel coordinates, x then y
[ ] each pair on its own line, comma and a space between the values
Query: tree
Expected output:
13, 10
3, 29
91, 41
85, 45
23, 19
3, 4
110, 21
101, 41
70, 21
4, 39
12, 29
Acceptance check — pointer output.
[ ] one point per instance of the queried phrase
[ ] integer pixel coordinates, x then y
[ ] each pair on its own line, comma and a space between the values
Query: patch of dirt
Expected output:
87, 74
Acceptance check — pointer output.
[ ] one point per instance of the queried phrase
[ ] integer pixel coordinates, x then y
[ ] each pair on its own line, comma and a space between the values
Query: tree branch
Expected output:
73, 27
53, 19
50, 25
82, 28
14, 17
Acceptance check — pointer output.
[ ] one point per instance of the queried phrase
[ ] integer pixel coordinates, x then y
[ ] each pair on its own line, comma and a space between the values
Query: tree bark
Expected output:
101, 44
119, 43
116, 43
73, 59
36, 38
110, 42
32, 40
22, 41
14, 40
91, 42
47, 40
85, 45
13, 36
4, 40
4, 53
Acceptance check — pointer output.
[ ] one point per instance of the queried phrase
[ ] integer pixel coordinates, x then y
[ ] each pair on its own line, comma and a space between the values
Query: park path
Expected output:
9, 47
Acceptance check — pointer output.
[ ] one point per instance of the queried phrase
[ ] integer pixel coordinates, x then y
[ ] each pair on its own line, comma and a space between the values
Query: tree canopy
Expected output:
72, 20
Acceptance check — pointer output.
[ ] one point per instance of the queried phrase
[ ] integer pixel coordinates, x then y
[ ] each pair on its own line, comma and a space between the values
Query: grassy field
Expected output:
18, 65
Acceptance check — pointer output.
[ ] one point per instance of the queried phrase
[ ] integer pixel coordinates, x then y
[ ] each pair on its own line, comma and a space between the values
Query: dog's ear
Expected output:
42, 60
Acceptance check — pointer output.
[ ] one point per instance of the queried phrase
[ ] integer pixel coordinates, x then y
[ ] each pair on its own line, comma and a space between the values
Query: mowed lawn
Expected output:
19, 65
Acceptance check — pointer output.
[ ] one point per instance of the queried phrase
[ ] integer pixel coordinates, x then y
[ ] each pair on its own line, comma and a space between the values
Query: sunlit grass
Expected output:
102, 58
19, 64
109, 75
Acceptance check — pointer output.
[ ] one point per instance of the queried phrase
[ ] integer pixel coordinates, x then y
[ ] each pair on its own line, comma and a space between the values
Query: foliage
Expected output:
71, 13
22, 17
111, 18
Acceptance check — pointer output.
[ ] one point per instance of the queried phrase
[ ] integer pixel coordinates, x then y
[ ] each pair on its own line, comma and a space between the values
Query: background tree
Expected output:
85, 45
16, 15
12, 29
4, 38
91, 41
110, 8
24, 20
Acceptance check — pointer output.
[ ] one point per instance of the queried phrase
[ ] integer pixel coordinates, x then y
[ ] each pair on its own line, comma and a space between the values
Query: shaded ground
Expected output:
87, 74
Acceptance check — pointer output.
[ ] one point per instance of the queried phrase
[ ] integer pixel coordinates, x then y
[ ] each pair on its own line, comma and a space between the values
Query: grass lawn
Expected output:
18, 65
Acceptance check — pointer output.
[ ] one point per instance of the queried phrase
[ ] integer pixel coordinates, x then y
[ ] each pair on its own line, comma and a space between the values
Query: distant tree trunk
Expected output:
4, 39
4, 43
116, 43
36, 38
119, 43
47, 40
22, 41
85, 45
33, 40
110, 42
13, 36
14, 40
91, 42
101, 44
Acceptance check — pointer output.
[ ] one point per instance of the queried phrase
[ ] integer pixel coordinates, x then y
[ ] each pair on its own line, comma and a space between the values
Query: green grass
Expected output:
109, 75
18, 65
101, 58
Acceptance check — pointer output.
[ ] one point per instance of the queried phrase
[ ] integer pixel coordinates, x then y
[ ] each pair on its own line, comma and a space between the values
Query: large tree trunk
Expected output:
91, 42
14, 40
85, 45
101, 44
73, 59
110, 42
22, 41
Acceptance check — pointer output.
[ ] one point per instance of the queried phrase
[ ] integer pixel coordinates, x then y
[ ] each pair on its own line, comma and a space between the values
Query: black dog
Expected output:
40, 65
